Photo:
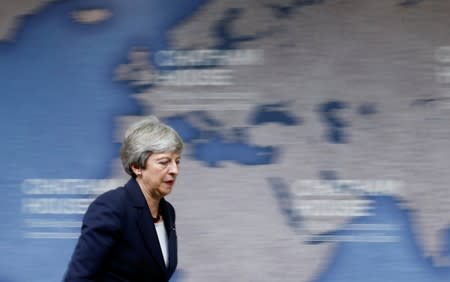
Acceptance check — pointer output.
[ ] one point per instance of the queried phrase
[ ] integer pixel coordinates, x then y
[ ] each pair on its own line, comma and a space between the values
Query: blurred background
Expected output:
317, 132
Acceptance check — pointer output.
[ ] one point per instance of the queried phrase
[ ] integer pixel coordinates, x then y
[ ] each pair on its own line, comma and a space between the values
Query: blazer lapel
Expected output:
169, 223
149, 236
145, 223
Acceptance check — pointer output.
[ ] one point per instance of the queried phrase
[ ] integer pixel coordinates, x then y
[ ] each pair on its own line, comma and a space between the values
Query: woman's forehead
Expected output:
170, 155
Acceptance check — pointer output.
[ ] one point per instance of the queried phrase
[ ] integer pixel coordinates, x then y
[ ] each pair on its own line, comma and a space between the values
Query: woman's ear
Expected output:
136, 170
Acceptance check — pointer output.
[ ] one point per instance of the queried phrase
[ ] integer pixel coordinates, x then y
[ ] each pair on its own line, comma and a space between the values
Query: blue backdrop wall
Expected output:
317, 132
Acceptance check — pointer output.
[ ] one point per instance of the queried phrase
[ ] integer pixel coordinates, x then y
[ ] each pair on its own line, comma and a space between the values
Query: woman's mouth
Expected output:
170, 182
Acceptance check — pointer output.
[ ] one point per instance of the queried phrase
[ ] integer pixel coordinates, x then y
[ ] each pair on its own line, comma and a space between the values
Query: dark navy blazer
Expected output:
118, 240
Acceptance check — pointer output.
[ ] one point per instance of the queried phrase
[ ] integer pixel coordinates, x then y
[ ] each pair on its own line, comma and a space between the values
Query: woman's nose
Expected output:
173, 168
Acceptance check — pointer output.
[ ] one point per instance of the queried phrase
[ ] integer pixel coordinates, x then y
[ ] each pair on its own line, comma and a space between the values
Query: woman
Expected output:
128, 234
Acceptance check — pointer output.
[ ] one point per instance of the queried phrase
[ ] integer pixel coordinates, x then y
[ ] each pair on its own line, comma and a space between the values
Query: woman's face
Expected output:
160, 173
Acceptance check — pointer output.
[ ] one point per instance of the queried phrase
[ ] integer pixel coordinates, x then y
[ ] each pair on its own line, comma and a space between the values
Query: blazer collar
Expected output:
136, 196
147, 227
138, 200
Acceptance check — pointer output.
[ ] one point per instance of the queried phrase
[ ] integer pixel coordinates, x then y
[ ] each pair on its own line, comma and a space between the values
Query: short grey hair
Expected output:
145, 137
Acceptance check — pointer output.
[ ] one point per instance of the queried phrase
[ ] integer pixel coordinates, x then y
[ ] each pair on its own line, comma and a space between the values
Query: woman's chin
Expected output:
166, 189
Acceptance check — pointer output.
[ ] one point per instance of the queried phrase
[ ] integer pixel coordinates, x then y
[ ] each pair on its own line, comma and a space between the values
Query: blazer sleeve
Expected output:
99, 232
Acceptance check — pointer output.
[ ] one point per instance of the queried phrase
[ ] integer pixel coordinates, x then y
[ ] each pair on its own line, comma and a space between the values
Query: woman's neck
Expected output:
152, 200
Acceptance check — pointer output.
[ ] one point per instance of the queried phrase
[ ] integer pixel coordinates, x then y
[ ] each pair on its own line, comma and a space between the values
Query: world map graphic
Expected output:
316, 134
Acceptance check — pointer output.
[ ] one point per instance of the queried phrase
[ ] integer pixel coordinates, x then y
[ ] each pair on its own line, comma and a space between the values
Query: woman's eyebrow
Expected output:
176, 157
162, 158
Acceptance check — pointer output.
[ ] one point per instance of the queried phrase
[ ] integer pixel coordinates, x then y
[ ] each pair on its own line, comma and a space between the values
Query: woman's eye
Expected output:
167, 162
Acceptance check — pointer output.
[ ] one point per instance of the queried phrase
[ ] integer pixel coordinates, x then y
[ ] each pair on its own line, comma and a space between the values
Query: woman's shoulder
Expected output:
111, 196
110, 200
115, 193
